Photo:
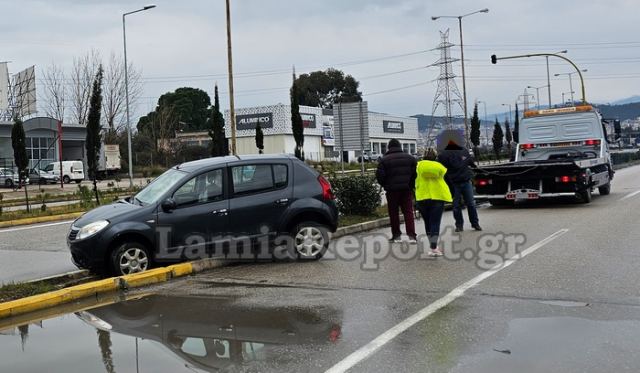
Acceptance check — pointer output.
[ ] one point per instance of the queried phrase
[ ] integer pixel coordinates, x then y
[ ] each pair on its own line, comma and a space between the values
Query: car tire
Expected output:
78, 181
42, 181
605, 190
130, 257
8, 183
310, 241
66, 179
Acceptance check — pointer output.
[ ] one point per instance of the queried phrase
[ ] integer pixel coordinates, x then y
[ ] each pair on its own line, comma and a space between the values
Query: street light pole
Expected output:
485, 119
509, 105
549, 79
464, 80
571, 81
126, 89
232, 109
538, 92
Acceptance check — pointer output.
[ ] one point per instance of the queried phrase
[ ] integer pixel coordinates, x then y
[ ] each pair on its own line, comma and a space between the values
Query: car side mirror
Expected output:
169, 205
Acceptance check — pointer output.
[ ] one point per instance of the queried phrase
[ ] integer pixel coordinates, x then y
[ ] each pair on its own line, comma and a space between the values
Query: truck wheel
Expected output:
66, 179
585, 196
605, 190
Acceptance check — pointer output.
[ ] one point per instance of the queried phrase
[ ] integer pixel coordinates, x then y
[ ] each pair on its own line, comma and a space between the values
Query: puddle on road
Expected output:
169, 334
559, 344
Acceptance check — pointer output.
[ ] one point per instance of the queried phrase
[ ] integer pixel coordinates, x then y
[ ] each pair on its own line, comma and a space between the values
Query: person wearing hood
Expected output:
431, 194
458, 162
396, 173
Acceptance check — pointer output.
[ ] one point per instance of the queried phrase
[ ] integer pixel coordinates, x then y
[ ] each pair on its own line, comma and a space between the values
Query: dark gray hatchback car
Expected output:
245, 207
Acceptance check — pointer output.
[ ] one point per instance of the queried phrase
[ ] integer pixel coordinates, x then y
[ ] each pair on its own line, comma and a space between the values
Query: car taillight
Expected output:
484, 182
527, 146
327, 193
566, 179
592, 142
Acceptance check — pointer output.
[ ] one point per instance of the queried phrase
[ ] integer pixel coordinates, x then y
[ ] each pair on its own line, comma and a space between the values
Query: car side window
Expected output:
204, 188
250, 179
49, 168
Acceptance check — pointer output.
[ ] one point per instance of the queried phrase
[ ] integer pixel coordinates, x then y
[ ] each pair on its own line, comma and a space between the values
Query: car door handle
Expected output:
222, 212
282, 201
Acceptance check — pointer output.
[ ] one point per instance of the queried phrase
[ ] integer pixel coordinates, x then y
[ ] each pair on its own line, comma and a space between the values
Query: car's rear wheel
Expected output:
130, 257
66, 179
8, 183
310, 241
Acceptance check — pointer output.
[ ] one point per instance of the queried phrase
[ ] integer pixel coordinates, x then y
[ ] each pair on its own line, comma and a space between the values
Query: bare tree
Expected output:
82, 74
55, 91
115, 94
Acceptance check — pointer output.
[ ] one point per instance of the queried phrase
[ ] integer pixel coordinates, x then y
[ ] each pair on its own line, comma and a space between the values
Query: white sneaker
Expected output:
436, 252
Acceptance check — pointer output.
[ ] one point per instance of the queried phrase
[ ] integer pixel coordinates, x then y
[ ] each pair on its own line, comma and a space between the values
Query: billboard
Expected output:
351, 126
24, 92
249, 121
390, 126
308, 120
4, 87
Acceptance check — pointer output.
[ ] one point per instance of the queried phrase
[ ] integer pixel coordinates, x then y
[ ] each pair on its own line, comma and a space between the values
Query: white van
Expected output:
72, 171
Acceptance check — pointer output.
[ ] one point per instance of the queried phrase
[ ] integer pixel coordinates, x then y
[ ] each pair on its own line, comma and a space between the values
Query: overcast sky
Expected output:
383, 44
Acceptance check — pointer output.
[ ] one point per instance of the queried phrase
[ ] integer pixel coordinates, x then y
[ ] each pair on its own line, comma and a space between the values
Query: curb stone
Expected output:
40, 219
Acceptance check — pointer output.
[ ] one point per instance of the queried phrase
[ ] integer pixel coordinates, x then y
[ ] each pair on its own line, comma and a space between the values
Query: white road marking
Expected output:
630, 195
370, 348
35, 226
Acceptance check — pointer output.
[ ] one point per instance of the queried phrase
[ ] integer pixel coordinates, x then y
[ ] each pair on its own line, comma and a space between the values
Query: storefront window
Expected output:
376, 147
383, 147
413, 148
405, 148
41, 151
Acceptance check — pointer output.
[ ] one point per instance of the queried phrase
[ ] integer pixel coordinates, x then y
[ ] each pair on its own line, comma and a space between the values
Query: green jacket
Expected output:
430, 182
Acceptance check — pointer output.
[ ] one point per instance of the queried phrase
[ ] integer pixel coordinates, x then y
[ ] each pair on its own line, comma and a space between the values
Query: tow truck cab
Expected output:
561, 152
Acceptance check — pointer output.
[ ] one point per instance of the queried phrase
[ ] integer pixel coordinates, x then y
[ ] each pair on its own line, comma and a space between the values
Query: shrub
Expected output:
356, 194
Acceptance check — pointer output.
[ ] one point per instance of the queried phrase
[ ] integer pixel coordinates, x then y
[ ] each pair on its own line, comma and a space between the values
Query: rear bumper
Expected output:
541, 195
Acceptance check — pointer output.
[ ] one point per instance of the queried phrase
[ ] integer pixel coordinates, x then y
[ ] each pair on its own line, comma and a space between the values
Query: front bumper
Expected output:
88, 253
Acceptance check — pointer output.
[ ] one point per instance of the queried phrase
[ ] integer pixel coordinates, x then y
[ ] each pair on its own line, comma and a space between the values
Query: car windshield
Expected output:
158, 187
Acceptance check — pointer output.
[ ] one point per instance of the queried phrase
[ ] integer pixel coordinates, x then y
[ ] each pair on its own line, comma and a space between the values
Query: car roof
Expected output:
210, 162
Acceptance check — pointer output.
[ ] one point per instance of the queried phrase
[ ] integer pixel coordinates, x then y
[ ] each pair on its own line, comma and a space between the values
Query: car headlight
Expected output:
91, 229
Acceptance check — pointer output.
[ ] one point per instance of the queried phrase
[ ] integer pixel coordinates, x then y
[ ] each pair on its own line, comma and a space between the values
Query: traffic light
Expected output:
617, 128
494, 59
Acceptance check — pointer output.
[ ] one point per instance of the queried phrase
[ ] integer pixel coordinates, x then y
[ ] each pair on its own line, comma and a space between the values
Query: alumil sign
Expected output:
308, 120
249, 121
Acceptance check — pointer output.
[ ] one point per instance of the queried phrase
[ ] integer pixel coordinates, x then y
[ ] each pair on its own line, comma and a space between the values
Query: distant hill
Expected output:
424, 121
628, 100
622, 112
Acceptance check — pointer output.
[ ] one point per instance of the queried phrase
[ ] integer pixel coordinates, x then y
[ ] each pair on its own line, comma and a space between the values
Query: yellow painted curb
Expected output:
179, 270
40, 219
146, 278
93, 289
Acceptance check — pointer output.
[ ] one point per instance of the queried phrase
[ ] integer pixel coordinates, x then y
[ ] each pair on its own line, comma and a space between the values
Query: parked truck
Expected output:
561, 152
109, 161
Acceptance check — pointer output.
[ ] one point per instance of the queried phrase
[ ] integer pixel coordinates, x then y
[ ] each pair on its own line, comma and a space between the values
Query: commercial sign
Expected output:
249, 121
308, 120
393, 126
327, 136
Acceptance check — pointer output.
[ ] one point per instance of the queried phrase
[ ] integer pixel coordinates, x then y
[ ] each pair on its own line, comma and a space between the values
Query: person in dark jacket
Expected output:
458, 161
397, 174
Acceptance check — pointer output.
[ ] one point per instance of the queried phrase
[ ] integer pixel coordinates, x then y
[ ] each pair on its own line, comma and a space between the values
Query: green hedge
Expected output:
356, 194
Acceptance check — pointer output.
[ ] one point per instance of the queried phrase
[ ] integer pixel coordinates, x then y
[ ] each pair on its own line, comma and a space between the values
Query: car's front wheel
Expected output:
130, 257
310, 241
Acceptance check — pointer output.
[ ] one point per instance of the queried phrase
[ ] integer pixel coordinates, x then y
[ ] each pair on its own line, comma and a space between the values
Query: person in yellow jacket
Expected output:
431, 194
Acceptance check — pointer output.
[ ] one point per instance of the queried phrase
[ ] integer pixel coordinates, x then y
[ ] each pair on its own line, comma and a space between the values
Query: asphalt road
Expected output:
569, 302
35, 251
